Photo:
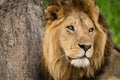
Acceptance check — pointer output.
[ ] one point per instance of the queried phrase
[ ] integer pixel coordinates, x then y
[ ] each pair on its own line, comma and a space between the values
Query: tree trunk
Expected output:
21, 31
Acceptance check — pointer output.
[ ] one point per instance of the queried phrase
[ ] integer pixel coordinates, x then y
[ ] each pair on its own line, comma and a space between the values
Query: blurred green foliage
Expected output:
111, 10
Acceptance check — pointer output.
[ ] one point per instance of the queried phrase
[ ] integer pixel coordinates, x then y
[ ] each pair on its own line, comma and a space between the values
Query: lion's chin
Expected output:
80, 62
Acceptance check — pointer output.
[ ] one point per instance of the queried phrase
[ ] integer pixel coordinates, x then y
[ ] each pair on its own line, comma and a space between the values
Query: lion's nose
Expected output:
85, 47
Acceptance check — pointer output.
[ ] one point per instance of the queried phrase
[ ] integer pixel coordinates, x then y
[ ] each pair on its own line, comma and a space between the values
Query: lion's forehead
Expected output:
78, 18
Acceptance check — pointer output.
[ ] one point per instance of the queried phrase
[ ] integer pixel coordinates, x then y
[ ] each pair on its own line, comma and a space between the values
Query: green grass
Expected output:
111, 10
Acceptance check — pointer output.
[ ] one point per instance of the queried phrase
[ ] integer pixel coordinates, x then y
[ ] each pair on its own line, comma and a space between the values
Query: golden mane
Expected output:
53, 55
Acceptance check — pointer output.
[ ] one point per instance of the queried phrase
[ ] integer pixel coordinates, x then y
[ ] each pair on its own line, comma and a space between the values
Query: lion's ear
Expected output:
95, 13
54, 12
91, 8
51, 13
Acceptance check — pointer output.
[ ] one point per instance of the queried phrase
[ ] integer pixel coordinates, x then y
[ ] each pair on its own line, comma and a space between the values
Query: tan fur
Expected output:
60, 43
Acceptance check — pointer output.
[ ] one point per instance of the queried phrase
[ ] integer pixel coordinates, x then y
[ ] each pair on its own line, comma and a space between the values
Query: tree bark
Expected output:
21, 31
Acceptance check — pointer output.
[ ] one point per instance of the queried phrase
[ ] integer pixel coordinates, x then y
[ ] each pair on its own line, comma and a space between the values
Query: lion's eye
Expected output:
71, 27
91, 29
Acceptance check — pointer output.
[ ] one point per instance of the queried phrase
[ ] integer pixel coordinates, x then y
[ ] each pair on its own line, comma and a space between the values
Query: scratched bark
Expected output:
21, 31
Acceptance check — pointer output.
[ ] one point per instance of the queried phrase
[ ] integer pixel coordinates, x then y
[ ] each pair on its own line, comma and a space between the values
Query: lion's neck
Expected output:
64, 71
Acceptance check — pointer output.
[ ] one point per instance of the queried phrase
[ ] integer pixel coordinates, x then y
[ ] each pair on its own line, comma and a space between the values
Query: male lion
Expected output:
77, 43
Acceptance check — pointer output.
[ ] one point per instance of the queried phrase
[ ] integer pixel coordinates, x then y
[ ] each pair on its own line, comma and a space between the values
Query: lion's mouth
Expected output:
79, 62
70, 58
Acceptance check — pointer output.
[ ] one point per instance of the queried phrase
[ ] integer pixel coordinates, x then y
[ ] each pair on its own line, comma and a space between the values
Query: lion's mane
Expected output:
56, 64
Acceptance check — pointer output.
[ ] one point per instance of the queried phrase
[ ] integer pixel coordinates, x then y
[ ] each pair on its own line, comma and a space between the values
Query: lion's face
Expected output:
77, 39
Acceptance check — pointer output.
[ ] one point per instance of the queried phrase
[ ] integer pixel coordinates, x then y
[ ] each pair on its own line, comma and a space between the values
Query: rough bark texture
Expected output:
21, 31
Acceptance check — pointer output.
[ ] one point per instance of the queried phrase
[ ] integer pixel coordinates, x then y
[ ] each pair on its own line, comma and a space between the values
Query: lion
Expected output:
77, 43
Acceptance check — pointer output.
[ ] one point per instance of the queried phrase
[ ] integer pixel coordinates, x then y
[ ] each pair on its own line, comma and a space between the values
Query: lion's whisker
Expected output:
60, 57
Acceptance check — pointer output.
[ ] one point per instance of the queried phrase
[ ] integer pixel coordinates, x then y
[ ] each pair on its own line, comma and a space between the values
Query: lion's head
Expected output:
75, 40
